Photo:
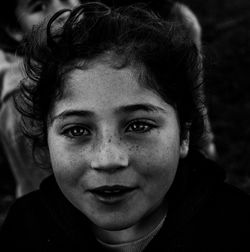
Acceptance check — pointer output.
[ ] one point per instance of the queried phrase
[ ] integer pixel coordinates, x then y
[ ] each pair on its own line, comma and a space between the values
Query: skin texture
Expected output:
107, 129
33, 12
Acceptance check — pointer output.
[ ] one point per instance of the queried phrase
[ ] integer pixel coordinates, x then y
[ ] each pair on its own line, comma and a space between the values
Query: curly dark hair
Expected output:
168, 62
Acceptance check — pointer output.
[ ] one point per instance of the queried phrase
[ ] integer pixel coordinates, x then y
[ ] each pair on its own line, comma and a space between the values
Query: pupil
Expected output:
77, 131
138, 127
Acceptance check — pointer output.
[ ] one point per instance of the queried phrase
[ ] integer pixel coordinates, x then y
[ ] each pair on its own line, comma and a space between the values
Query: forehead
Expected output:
102, 88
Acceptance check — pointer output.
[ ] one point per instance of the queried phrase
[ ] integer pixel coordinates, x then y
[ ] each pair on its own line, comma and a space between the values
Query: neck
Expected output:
135, 232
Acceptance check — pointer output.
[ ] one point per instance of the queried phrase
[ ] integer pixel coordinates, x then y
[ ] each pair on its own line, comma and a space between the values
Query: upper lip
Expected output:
113, 188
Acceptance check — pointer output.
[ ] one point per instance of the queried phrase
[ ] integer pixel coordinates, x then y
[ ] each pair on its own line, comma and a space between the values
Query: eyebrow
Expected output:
68, 113
142, 106
123, 109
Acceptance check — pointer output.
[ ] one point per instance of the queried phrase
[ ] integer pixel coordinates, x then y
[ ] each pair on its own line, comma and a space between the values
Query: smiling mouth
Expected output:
111, 194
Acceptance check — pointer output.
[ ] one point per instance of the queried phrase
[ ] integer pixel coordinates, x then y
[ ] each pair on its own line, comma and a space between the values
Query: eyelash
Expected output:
69, 132
149, 126
81, 131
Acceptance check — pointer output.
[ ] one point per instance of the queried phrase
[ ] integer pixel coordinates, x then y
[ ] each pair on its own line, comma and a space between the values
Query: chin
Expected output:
115, 224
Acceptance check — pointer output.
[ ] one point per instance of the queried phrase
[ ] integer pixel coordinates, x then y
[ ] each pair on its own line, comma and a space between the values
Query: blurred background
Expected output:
226, 40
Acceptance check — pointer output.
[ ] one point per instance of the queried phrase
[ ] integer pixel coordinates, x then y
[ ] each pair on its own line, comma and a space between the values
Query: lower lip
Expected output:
113, 199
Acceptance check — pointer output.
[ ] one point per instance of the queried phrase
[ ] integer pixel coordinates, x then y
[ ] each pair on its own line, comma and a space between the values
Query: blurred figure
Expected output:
17, 19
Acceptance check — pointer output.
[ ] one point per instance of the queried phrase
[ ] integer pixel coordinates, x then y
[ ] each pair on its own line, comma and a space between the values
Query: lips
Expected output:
111, 193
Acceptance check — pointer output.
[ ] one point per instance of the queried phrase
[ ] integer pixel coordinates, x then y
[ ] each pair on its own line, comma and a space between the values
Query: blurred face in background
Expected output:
33, 12
114, 146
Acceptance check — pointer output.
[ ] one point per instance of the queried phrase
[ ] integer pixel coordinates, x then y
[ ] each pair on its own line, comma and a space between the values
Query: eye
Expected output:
76, 131
140, 126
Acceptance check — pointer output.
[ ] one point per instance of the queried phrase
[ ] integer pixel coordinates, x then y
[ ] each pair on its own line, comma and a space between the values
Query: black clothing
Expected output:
204, 214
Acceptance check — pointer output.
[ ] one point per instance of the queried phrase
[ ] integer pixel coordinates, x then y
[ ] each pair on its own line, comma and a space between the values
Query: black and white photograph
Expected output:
125, 125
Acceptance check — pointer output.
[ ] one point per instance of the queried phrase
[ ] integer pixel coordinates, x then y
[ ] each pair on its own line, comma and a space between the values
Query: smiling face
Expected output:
114, 146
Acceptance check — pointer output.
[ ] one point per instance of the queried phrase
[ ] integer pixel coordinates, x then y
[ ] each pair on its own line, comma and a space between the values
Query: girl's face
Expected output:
114, 146
33, 12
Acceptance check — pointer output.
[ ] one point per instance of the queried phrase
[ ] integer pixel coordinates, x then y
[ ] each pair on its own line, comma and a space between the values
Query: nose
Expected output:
109, 157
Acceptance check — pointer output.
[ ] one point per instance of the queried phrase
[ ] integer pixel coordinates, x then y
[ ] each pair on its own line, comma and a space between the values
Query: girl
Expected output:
113, 100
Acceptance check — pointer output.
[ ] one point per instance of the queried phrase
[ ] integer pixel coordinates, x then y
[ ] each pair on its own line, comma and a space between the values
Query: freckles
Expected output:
158, 132
134, 148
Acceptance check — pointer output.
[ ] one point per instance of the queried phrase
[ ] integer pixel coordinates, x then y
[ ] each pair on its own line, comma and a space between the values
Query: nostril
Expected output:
110, 170
111, 164
107, 160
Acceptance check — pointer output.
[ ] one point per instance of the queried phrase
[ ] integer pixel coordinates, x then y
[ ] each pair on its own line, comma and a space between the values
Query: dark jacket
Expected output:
205, 214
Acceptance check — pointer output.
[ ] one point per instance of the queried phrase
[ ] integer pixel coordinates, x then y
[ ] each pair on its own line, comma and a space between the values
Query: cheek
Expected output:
157, 164
159, 170
68, 165
158, 179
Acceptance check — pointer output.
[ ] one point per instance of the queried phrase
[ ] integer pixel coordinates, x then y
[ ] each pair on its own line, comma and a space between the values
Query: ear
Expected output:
184, 147
15, 33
